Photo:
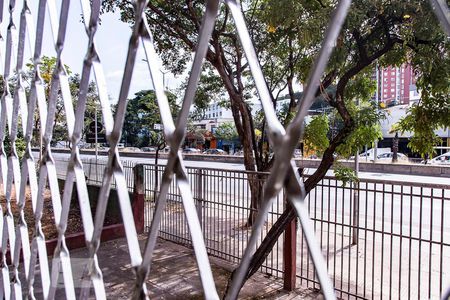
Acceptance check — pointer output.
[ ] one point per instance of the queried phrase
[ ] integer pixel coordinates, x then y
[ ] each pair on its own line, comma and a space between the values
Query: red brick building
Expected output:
395, 84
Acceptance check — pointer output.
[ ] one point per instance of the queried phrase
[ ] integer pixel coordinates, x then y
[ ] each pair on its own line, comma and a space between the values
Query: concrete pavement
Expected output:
174, 275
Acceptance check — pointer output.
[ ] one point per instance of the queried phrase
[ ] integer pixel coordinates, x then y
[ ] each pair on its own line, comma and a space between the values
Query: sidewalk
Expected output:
174, 274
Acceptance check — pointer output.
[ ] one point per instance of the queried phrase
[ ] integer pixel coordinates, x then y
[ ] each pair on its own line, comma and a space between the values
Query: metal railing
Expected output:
403, 230
94, 170
403, 239
223, 205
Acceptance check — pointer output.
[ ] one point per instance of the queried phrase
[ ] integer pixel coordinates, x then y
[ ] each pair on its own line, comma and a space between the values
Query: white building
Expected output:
216, 114
213, 116
216, 111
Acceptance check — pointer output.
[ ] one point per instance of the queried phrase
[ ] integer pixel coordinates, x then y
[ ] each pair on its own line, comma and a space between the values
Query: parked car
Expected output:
297, 153
191, 150
387, 157
370, 154
443, 159
215, 151
148, 149
131, 149
239, 153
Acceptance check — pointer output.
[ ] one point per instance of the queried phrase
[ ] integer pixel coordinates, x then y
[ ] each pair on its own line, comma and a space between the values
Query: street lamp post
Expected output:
375, 145
164, 77
356, 196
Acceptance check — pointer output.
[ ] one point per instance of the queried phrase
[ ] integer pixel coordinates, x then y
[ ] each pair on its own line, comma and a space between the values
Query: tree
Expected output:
316, 131
46, 68
287, 37
92, 101
390, 34
226, 131
177, 24
142, 115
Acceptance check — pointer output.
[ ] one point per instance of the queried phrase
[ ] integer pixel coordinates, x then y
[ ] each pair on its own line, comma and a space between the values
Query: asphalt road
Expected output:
233, 166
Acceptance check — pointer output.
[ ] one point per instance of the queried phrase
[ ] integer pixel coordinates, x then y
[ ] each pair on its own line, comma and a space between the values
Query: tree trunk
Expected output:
244, 126
255, 182
289, 214
395, 148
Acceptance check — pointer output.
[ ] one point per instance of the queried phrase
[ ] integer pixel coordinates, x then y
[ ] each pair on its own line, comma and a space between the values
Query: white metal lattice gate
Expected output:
18, 109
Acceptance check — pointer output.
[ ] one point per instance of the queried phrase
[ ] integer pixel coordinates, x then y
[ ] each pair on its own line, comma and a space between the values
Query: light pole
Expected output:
162, 72
164, 77
356, 196
375, 144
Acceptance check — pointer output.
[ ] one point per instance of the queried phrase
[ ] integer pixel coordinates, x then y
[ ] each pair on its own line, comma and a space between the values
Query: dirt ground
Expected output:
49, 229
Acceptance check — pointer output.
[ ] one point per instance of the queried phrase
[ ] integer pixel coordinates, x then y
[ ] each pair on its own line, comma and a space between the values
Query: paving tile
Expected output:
174, 274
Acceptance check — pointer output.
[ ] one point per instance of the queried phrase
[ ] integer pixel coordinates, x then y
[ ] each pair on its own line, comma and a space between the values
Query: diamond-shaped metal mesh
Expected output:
18, 109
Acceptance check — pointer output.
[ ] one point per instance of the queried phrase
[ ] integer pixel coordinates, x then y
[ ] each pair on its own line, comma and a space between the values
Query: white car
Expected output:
443, 159
387, 157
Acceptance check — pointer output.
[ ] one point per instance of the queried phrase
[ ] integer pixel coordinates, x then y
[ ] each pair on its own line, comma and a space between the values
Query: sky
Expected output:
111, 42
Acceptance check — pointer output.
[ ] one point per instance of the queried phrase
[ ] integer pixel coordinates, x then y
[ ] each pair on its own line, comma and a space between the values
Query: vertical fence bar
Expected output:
138, 198
355, 212
419, 258
199, 193
401, 245
290, 255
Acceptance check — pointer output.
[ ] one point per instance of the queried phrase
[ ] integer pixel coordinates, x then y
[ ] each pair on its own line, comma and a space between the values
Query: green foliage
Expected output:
345, 174
209, 89
287, 35
422, 120
433, 111
141, 116
316, 131
226, 131
92, 102
20, 145
46, 68
367, 127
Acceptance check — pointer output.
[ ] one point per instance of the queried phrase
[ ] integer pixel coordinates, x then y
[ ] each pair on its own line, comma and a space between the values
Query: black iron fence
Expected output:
223, 205
395, 245
94, 170
393, 242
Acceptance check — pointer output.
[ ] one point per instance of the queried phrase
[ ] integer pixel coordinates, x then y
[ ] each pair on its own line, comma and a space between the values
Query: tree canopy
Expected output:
226, 131
141, 116
287, 35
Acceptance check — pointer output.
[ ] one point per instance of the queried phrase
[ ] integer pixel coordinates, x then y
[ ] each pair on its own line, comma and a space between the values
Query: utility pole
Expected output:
355, 223
375, 144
